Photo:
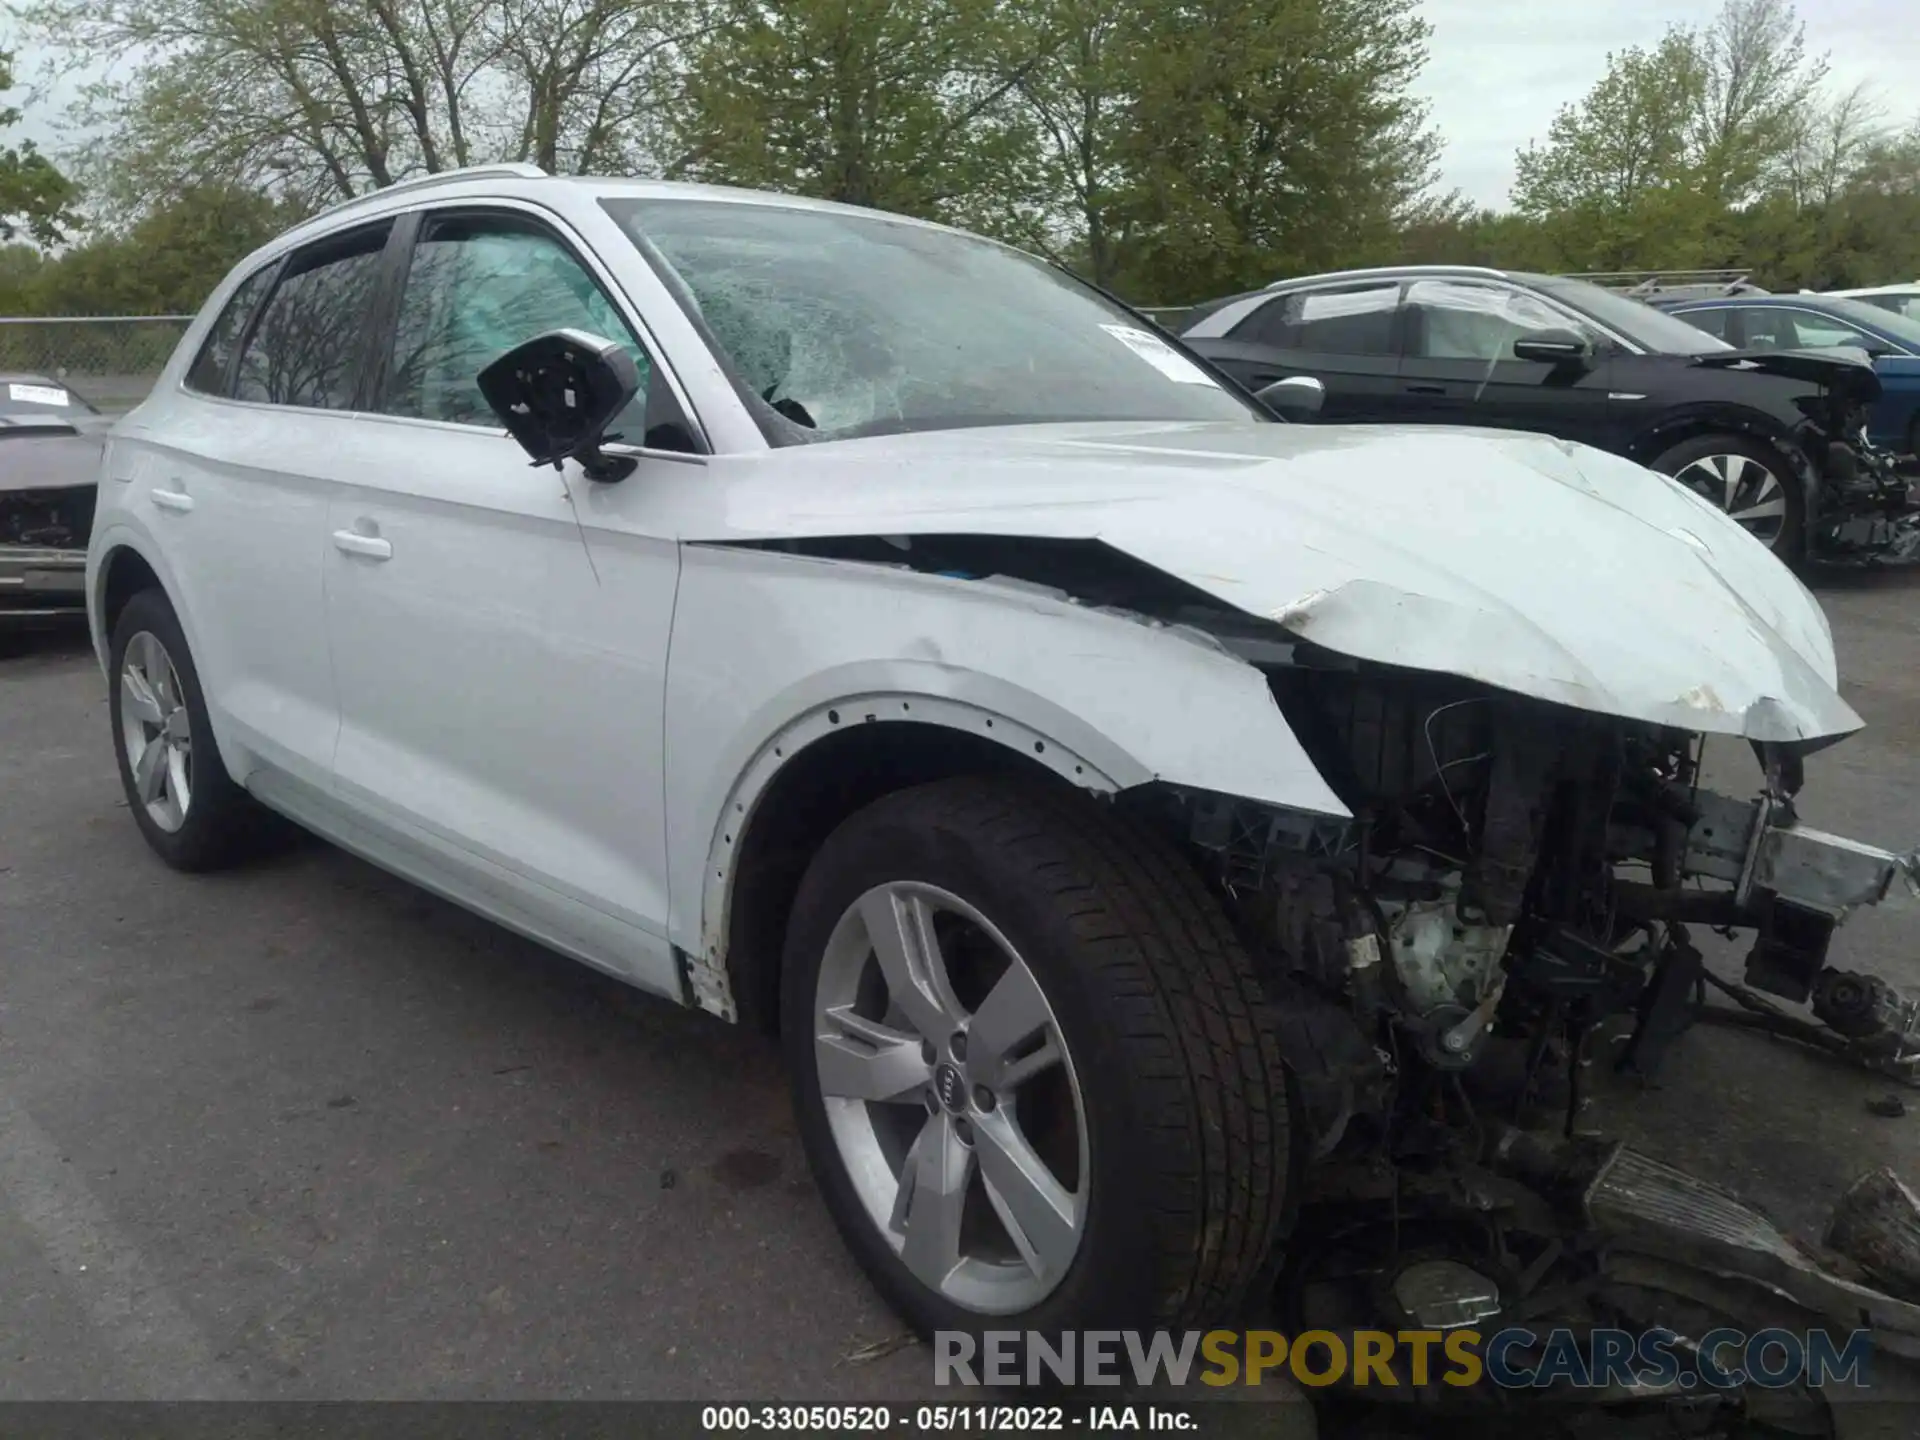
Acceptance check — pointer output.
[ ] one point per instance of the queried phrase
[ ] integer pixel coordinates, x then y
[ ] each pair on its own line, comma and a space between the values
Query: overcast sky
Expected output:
1501, 68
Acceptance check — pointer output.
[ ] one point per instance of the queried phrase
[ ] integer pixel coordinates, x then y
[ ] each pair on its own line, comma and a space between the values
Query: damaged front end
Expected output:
1520, 878
1864, 512
43, 551
48, 490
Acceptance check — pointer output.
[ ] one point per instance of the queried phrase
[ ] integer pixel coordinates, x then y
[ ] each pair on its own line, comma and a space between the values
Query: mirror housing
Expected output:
1297, 397
557, 394
1554, 347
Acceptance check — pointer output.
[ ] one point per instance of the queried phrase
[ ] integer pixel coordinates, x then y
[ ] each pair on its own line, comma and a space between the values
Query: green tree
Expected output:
899, 104
1760, 88
1616, 182
1080, 95
1271, 138
165, 261
35, 198
318, 100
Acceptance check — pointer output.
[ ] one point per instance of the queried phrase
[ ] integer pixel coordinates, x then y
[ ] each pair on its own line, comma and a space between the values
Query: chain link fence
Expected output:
109, 360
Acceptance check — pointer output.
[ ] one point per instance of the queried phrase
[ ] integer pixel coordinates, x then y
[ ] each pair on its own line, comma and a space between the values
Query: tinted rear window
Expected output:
307, 347
210, 368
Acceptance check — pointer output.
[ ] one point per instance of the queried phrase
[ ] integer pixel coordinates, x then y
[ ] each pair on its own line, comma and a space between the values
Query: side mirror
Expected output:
557, 394
1553, 347
1298, 397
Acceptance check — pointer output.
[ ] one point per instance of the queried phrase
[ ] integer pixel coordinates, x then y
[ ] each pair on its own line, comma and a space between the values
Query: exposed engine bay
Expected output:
1514, 864
1514, 881
1515, 874
48, 491
1863, 511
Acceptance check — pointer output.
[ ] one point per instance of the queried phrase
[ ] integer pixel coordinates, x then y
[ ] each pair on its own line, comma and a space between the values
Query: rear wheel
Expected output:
1752, 482
1032, 1069
181, 796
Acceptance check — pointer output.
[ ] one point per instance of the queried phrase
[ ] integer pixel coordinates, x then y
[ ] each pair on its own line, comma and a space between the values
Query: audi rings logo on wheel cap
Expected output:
950, 1086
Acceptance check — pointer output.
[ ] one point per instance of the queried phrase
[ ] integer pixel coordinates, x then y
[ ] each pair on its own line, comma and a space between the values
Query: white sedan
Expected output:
898, 644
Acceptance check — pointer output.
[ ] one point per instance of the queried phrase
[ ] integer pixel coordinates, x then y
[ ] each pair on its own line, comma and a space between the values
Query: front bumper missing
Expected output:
1793, 885
1758, 848
39, 582
1646, 1206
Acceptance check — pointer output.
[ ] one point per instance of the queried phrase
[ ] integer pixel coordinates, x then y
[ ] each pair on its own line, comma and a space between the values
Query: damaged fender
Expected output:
1537, 566
773, 652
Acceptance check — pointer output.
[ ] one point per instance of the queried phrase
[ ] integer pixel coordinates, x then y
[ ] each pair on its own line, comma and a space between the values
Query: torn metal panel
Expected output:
772, 650
1445, 550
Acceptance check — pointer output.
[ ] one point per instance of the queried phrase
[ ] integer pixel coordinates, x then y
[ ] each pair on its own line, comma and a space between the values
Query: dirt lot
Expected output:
303, 1131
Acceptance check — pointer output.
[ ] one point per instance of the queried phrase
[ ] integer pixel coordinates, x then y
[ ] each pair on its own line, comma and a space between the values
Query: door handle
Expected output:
352, 542
1426, 389
175, 500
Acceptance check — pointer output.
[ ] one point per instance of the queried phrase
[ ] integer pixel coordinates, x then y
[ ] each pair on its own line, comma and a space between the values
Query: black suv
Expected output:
1775, 438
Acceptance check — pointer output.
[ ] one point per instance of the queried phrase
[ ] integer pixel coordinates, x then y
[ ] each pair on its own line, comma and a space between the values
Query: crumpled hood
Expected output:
1535, 565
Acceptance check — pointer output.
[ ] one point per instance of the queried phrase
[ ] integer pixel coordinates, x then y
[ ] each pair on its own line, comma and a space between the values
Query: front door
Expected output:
502, 678
1343, 336
1460, 368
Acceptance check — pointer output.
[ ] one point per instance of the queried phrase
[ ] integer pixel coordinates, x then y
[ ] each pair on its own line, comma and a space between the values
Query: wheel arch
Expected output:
1679, 427
819, 769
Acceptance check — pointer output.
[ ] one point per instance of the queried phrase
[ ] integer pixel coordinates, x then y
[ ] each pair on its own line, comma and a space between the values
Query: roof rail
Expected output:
1483, 271
1692, 284
505, 170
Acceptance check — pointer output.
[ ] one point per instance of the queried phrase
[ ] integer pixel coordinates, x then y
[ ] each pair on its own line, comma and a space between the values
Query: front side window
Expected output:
208, 373
308, 343
1353, 320
833, 325
1815, 331
1452, 320
1716, 323
1654, 331
476, 287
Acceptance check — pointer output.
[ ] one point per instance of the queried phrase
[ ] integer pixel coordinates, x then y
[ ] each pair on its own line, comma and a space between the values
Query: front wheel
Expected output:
1032, 1069
1750, 481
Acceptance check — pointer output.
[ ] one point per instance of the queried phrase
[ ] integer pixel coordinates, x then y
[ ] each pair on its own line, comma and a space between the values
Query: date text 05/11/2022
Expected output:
946, 1419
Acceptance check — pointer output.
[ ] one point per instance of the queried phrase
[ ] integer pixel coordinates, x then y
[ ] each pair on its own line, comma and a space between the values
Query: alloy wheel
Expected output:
951, 1097
1743, 487
157, 731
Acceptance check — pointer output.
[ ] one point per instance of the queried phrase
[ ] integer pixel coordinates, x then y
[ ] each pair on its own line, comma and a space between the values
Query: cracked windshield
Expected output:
837, 326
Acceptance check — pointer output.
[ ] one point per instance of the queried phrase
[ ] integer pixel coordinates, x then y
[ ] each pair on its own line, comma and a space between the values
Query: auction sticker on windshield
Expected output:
37, 394
1157, 353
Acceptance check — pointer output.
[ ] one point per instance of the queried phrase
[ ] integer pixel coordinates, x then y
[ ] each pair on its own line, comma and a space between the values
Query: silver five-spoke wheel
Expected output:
156, 730
951, 1097
1742, 486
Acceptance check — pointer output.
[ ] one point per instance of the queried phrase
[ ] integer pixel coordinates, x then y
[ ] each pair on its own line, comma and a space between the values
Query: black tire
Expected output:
223, 824
1191, 1134
1790, 541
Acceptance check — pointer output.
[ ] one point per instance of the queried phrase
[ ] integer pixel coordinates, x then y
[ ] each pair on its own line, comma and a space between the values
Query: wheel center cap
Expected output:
951, 1086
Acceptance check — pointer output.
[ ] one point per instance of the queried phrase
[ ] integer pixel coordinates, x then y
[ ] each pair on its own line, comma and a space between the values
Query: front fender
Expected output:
773, 651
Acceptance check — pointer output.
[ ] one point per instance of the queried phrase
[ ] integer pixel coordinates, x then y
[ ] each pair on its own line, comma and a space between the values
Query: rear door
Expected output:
238, 497
1346, 336
1460, 368
499, 633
